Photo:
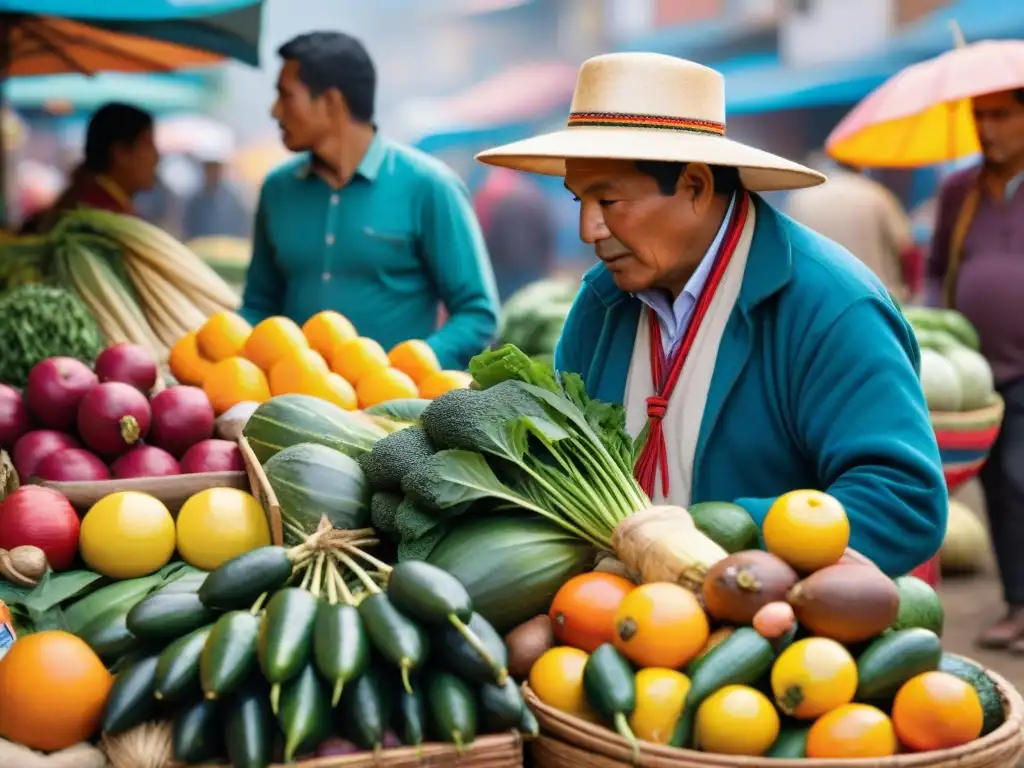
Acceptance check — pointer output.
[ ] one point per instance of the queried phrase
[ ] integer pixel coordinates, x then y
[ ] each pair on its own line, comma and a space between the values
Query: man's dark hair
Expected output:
335, 60
725, 178
112, 125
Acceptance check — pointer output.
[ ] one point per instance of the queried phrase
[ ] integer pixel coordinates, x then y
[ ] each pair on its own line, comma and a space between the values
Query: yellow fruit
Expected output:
354, 359
187, 365
334, 389
223, 335
297, 372
271, 340
127, 534
325, 329
415, 359
557, 680
812, 677
437, 384
660, 695
218, 524
233, 381
736, 720
384, 385
807, 529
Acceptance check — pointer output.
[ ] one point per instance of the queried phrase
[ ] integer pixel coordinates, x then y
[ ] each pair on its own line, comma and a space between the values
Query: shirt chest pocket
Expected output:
391, 256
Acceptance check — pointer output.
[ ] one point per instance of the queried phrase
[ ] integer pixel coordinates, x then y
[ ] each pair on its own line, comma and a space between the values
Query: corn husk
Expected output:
145, 746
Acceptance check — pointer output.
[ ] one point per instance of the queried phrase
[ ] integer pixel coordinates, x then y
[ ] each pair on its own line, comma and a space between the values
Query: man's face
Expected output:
136, 163
643, 237
1000, 121
303, 119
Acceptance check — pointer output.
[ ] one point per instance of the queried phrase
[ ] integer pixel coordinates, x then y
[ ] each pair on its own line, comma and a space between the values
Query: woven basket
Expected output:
568, 742
965, 440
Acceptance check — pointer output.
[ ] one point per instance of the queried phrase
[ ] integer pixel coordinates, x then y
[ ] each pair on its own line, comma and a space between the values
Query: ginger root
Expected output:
24, 565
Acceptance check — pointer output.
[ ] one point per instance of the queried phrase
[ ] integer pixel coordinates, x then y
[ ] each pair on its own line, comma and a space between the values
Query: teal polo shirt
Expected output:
386, 250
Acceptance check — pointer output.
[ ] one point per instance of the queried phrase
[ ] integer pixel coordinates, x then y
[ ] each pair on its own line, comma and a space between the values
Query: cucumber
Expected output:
452, 707
305, 712
196, 735
893, 659
500, 706
456, 653
229, 654
791, 742
130, 702
528, 725
396, 637
428, 593
610, 687
177, 671
341, 648
991, 699
286, 637
163, 616
240, 581
366, 708
249, 726
411, 717
741, 659
109, 637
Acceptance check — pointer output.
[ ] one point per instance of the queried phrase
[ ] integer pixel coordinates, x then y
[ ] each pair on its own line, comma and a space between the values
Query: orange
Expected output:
583, 611
444, 381
384, 385
660, 625
297, 372
233, 381
54, 690
936, 711
223, 335
325, 329
352, 359
852, 730
334, 389
271, 340
807, 529
415, 359
557, 680
185, 362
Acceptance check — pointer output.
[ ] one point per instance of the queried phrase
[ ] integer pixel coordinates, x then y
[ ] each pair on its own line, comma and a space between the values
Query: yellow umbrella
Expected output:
923, 115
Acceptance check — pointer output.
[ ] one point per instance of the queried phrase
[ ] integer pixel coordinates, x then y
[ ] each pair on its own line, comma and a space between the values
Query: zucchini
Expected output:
411, 716
741, 659
893, 659
790, 743
249, 727
177, 671
528, 725
455, 651
305, 712
196, 734
167, 616
341, 648
240, 581
428, 593
109, 637
366, 708
130, 702
610, 688
286, 637
452, 707
500, 706
396, 637
229, 654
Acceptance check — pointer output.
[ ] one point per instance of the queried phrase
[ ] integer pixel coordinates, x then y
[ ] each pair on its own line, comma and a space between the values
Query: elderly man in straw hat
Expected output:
761, 356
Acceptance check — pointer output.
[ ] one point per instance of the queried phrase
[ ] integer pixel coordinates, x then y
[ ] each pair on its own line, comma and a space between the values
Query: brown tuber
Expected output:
24, 565
847, 602
737, 587
527, 643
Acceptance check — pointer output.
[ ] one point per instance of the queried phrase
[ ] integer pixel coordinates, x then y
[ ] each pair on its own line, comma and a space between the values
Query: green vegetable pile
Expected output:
533, 316
954, 375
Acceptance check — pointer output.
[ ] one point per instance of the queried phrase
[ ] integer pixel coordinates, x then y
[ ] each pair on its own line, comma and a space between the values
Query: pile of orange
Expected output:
234, 362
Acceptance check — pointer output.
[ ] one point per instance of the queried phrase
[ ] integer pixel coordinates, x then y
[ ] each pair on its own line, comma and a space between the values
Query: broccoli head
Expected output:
383, 510
394, 456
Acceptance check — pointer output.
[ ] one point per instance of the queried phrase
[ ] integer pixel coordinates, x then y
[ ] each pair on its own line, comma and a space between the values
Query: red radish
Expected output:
72, 465
113, 417
773, 620
182, 417
145, 461
212, 456
35, 446
40, 517
128, 363
55, 388
13, 416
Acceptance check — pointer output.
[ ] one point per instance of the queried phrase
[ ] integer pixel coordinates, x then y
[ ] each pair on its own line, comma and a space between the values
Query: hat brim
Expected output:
546, 154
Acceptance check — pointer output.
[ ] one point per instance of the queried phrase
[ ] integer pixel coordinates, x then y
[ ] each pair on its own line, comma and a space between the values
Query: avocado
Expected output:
920, 606
729, 525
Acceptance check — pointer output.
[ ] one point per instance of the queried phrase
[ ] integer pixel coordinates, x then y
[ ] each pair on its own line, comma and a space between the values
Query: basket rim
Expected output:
993, 413
574, 730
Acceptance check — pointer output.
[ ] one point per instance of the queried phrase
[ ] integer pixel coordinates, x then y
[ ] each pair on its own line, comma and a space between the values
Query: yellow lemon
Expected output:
737, 720
218, 524
127, 534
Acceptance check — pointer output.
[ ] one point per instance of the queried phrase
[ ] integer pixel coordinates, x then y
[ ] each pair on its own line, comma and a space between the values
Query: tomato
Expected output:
807, 529
660, 625
852, 730
660, 695
812, 677
557, 680
736, 720
583, 611
936, 711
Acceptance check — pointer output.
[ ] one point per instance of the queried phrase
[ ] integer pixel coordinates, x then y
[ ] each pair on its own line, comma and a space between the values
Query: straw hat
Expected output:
647, 106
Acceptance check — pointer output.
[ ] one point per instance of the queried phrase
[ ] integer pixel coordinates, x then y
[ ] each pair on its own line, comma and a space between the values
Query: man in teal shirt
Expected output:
361, 225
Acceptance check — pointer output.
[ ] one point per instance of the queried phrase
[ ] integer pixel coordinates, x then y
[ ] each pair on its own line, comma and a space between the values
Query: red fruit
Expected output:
35, 446
113, 417
41, 517
128, 363
13, 416
72, 465
55, 388
145, 461
212, 456
182, 417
